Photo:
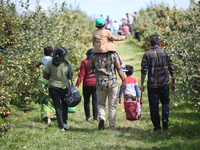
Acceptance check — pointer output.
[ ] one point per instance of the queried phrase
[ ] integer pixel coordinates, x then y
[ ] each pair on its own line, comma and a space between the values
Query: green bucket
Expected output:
71, 109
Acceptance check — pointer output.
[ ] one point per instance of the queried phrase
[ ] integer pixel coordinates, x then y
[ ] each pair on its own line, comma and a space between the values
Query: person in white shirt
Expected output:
115, 28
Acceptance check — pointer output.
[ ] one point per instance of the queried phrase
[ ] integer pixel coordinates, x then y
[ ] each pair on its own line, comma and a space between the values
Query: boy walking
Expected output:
131, 93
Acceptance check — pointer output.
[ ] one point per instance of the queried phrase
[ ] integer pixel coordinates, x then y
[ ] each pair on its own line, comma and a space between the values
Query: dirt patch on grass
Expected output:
125, 57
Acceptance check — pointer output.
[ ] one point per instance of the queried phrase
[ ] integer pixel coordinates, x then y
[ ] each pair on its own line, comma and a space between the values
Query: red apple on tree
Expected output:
7, 113
13, 32
7, 21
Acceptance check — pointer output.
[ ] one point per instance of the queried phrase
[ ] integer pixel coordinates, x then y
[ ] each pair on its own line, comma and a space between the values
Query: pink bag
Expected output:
133, 110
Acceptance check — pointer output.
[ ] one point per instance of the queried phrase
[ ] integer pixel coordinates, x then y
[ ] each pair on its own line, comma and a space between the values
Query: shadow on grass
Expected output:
119, 147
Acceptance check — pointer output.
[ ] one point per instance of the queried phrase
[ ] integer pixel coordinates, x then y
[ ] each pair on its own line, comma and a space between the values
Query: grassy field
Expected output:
29, 132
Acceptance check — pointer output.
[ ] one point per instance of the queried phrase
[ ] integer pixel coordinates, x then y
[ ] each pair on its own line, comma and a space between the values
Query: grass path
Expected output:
30, 133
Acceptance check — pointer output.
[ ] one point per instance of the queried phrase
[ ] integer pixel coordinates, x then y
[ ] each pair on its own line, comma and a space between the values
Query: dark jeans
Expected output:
154, 94
58, 94
87, 91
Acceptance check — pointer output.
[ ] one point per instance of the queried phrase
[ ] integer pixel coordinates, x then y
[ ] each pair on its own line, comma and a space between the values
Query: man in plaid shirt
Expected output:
157, 63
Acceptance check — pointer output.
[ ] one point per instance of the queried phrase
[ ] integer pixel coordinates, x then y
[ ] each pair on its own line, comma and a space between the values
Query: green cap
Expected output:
99, 22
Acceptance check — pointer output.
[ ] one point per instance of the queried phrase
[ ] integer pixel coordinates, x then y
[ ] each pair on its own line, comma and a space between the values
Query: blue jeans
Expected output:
154, 95
115, 32
131, 28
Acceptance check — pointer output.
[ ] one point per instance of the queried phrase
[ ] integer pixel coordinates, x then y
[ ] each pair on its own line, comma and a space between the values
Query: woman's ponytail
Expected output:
59, 56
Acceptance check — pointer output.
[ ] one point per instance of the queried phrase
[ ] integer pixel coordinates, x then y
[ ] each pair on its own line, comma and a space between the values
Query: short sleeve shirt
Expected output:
58, 74
105, 72
45, 60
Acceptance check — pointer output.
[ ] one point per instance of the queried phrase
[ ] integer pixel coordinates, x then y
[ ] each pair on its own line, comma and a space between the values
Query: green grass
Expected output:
29, 132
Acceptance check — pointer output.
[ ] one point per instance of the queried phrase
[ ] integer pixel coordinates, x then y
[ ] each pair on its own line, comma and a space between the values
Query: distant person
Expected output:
88, 88
103, 40
125, 30
158, 63
130, 22
135, 16
120, 30
131, 93
101, 16
115, 28
137, 34
124, 20
108, 23
47, 106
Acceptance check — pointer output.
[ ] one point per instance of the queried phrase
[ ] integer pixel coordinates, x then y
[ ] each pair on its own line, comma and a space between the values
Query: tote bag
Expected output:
73, 97
133, 110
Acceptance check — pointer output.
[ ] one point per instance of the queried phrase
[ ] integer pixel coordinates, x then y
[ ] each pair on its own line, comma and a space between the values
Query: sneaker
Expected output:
66, 127
111, 128
157, 129
88, 120
165, 125
62, 129
95, 121
124, 69
48, 120
101, 125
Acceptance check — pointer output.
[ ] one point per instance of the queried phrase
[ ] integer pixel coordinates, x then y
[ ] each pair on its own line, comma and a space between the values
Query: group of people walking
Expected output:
102, 83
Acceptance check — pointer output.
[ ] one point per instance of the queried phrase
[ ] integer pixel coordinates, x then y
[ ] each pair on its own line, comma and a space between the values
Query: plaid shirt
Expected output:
157, 63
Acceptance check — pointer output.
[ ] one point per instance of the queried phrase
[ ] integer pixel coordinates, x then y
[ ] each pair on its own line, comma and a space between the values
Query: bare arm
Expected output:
69, 76
172, 73
173, 86
46, 75
120, 72
142, 82
38, 65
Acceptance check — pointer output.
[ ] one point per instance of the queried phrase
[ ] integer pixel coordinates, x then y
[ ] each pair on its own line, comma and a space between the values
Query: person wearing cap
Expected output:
106, 62
103, 40
57, 72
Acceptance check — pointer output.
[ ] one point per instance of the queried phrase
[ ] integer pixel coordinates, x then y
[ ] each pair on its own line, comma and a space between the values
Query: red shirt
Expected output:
85, 76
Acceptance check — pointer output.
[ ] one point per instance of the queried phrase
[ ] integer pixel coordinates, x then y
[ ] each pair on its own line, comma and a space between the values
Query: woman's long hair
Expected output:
59, 56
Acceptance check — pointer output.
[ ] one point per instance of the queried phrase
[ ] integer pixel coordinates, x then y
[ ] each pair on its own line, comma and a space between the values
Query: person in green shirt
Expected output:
57, 73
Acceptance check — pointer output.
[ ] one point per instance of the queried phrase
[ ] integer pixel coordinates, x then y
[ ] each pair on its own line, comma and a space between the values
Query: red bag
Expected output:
133, 109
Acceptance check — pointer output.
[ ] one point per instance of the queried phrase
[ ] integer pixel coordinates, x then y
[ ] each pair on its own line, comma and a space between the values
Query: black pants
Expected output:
87, 91
58, 94
154, 94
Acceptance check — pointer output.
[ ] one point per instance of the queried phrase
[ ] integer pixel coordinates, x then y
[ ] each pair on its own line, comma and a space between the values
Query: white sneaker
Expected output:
62, 129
